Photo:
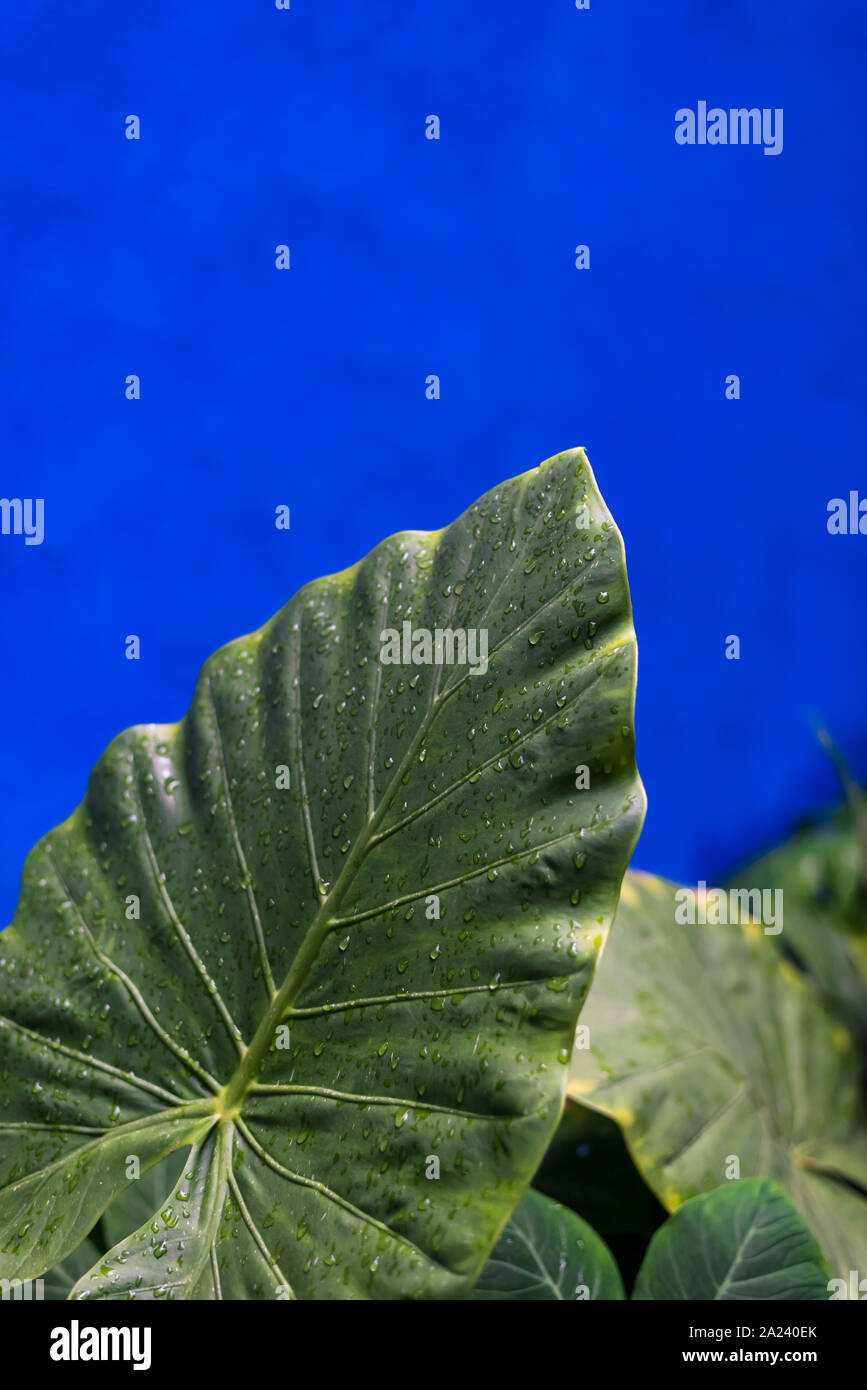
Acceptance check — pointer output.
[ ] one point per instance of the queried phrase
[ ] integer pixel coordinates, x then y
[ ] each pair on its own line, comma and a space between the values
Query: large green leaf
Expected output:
742, 1241
707, 1049
547, 1252
289, 1007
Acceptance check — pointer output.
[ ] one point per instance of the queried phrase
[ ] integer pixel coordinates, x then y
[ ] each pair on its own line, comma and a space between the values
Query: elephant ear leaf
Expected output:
329, 935
548, 1252
743, 1241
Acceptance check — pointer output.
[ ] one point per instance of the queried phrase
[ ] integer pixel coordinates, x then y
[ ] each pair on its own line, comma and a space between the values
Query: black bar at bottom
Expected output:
157, 1338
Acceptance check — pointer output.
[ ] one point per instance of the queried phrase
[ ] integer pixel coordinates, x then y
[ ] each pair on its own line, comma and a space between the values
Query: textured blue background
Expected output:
411, 257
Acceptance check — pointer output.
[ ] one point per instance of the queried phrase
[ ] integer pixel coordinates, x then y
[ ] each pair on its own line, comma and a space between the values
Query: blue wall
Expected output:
412, 257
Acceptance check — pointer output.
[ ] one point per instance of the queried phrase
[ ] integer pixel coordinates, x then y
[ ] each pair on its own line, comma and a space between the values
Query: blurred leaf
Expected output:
743, 1241
825, 926
547, 1252
856, 805
707, 1049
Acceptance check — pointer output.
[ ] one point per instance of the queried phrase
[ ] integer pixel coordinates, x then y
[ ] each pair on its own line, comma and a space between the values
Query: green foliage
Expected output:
332, 930
820, 871
287, 1006
716, 1060
743, 1241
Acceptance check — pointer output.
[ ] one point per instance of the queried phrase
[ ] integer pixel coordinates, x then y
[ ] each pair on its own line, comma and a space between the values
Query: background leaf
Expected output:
705, 1047
742, 1241
548, 1252
289, 1006
820, 870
